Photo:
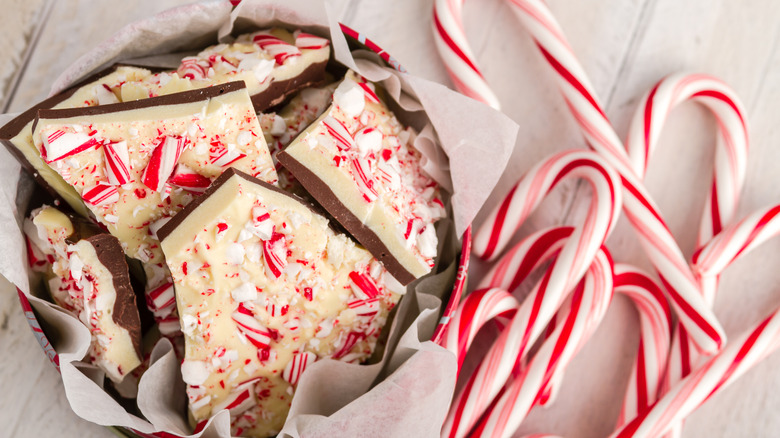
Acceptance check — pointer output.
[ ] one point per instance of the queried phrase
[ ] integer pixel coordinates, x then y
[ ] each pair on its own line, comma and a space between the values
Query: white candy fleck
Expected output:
350, 98
76, 267
261, 68
253, 252
427, 242
278, 127
235, 254
368, 140
194, 372
335, 250
245, 292
243, 138
188, 324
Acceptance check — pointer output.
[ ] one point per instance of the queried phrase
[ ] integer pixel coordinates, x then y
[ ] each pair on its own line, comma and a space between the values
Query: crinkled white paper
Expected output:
465, 144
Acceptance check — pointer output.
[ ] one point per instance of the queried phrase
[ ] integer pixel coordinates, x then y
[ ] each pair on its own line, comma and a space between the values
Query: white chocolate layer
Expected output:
243, 60
264, 287
81, 284
87, 95
222, 126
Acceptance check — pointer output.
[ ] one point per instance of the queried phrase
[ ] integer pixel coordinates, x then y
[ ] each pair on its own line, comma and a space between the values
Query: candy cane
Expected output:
739, 355
655, 321
728, 178
663, 251
654, 312
588, 305
563, 274
730, 155
737, 358
479, 308
492, 301
454, 50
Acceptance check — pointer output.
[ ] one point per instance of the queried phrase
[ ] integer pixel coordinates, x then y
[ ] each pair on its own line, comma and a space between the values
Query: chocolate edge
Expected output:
110, 254
363, 234
278, 91
15, 125
179, 217
183, 97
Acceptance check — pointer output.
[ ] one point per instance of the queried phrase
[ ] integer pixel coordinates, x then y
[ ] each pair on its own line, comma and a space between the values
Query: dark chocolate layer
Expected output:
110, 254
363, 234
168, 99
279, 91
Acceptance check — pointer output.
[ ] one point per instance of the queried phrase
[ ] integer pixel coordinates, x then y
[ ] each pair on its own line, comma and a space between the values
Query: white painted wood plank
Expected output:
20, 19
73, 29
717, 37
33, 401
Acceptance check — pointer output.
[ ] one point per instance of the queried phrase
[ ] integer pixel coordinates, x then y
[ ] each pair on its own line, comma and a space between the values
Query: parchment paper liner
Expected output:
466, 146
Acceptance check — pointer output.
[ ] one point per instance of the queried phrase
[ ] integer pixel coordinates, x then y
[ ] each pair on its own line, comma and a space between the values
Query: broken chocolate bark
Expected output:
359, 163
265, 288
88, 276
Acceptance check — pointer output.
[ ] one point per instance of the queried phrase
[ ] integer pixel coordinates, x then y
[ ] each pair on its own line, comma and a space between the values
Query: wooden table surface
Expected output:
625, 47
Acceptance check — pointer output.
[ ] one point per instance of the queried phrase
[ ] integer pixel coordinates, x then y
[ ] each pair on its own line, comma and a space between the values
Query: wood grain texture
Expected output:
625, 47
20, 19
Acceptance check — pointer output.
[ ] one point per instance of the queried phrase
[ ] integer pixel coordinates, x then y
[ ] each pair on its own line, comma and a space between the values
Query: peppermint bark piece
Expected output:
100, 89
137, 163
281, 128
273, 63
358, 162
88, 276
265, 288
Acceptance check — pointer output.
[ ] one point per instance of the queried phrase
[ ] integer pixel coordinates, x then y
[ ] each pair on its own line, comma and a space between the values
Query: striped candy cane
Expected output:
587, 307
456, 53
655, 321
663, 251
728, 179
732, 144
647, 296
739, 355
478, 309
737, 358
563, 274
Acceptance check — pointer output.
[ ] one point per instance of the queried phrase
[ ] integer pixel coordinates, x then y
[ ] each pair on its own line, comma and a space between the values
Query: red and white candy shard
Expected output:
193, 68
295, 368
308, 41
222, 156
61, 144
351, 340
251, 328
363, 285
101, 194
276, 47
161, 300
163, 161
189, 180
368, 307
364, 179
339, 132
239, 400
263, 226
369, 90
117, 163
275, 254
